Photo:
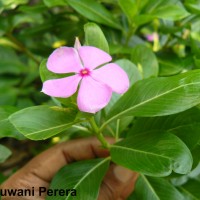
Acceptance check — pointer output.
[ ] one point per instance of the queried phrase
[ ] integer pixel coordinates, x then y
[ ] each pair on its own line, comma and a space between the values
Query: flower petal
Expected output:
64, 60
63, 87
92, 57
93, 95
113, 76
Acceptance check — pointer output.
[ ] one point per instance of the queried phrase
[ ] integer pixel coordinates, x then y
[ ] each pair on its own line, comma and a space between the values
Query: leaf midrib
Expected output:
89, 172
150, 187
144, 102
139, 151
96, 13
43, 130
189, 193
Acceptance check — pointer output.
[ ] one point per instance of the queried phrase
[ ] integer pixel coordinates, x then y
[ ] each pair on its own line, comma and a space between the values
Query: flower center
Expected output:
84, 72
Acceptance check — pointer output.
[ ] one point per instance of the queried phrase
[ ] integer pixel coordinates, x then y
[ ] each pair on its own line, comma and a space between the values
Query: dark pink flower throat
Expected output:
84, 72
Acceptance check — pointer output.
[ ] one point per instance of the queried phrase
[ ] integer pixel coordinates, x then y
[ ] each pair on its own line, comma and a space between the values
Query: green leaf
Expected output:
152, 5
52, 3
179, 124
170, 65
42, 122
145, 60
95, 37
4, 153
170, 12
159, 96
95, 12
11, 4
7, 65
7, 129
5, 111
129, 7
85, 177
153, 153
193, 6
143, 19
149, 188
8, 96
191, 190
4, 41
132, 71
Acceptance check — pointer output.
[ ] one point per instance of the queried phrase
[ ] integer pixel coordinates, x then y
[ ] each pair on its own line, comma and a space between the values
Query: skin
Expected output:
118, 183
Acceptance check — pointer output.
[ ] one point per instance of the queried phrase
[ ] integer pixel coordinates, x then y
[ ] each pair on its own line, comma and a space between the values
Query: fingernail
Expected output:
123, 174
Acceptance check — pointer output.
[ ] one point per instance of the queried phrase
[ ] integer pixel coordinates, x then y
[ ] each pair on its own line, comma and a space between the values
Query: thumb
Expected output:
118, 183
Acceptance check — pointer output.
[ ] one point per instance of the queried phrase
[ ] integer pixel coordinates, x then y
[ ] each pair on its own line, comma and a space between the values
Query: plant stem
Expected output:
117, 130
99, 135
22, 48
130, 33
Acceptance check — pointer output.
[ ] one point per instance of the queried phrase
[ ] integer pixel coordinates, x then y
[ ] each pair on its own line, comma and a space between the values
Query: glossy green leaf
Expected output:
52, 3
145, 60
170, 122
143, 19
132, 71
85, 177
193, 6
95, 37
4, 153
159, 96
155, 4
153, 153
172, 66
156, 189
42, 122
185, 125
191, 190
95, 12
129, 7
170, 12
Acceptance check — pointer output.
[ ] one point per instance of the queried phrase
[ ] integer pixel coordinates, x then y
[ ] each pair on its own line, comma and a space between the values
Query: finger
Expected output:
40, 170
118, 183
130, 188
45, 165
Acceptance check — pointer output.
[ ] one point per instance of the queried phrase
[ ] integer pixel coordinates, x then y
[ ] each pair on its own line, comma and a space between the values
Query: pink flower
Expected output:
152, 37
96, 84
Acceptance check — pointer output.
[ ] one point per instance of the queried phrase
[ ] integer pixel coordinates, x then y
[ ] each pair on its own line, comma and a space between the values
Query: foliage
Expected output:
158, 118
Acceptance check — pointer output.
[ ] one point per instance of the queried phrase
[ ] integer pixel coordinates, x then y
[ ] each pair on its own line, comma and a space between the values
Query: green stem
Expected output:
117, 130
22, 48
130, 33
99, 135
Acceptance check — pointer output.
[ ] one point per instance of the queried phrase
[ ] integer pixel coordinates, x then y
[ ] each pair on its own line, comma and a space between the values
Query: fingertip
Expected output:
123, 174
119, 182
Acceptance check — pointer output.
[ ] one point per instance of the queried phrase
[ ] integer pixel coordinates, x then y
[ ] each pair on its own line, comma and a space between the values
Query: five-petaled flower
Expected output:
97, 82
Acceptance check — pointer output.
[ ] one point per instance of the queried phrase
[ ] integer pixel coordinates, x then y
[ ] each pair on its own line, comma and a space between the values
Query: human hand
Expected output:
117, 184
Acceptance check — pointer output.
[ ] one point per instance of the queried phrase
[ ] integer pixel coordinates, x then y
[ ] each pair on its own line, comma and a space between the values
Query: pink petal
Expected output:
64, 60
63, 87
93, 95
113, 76
92, 57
